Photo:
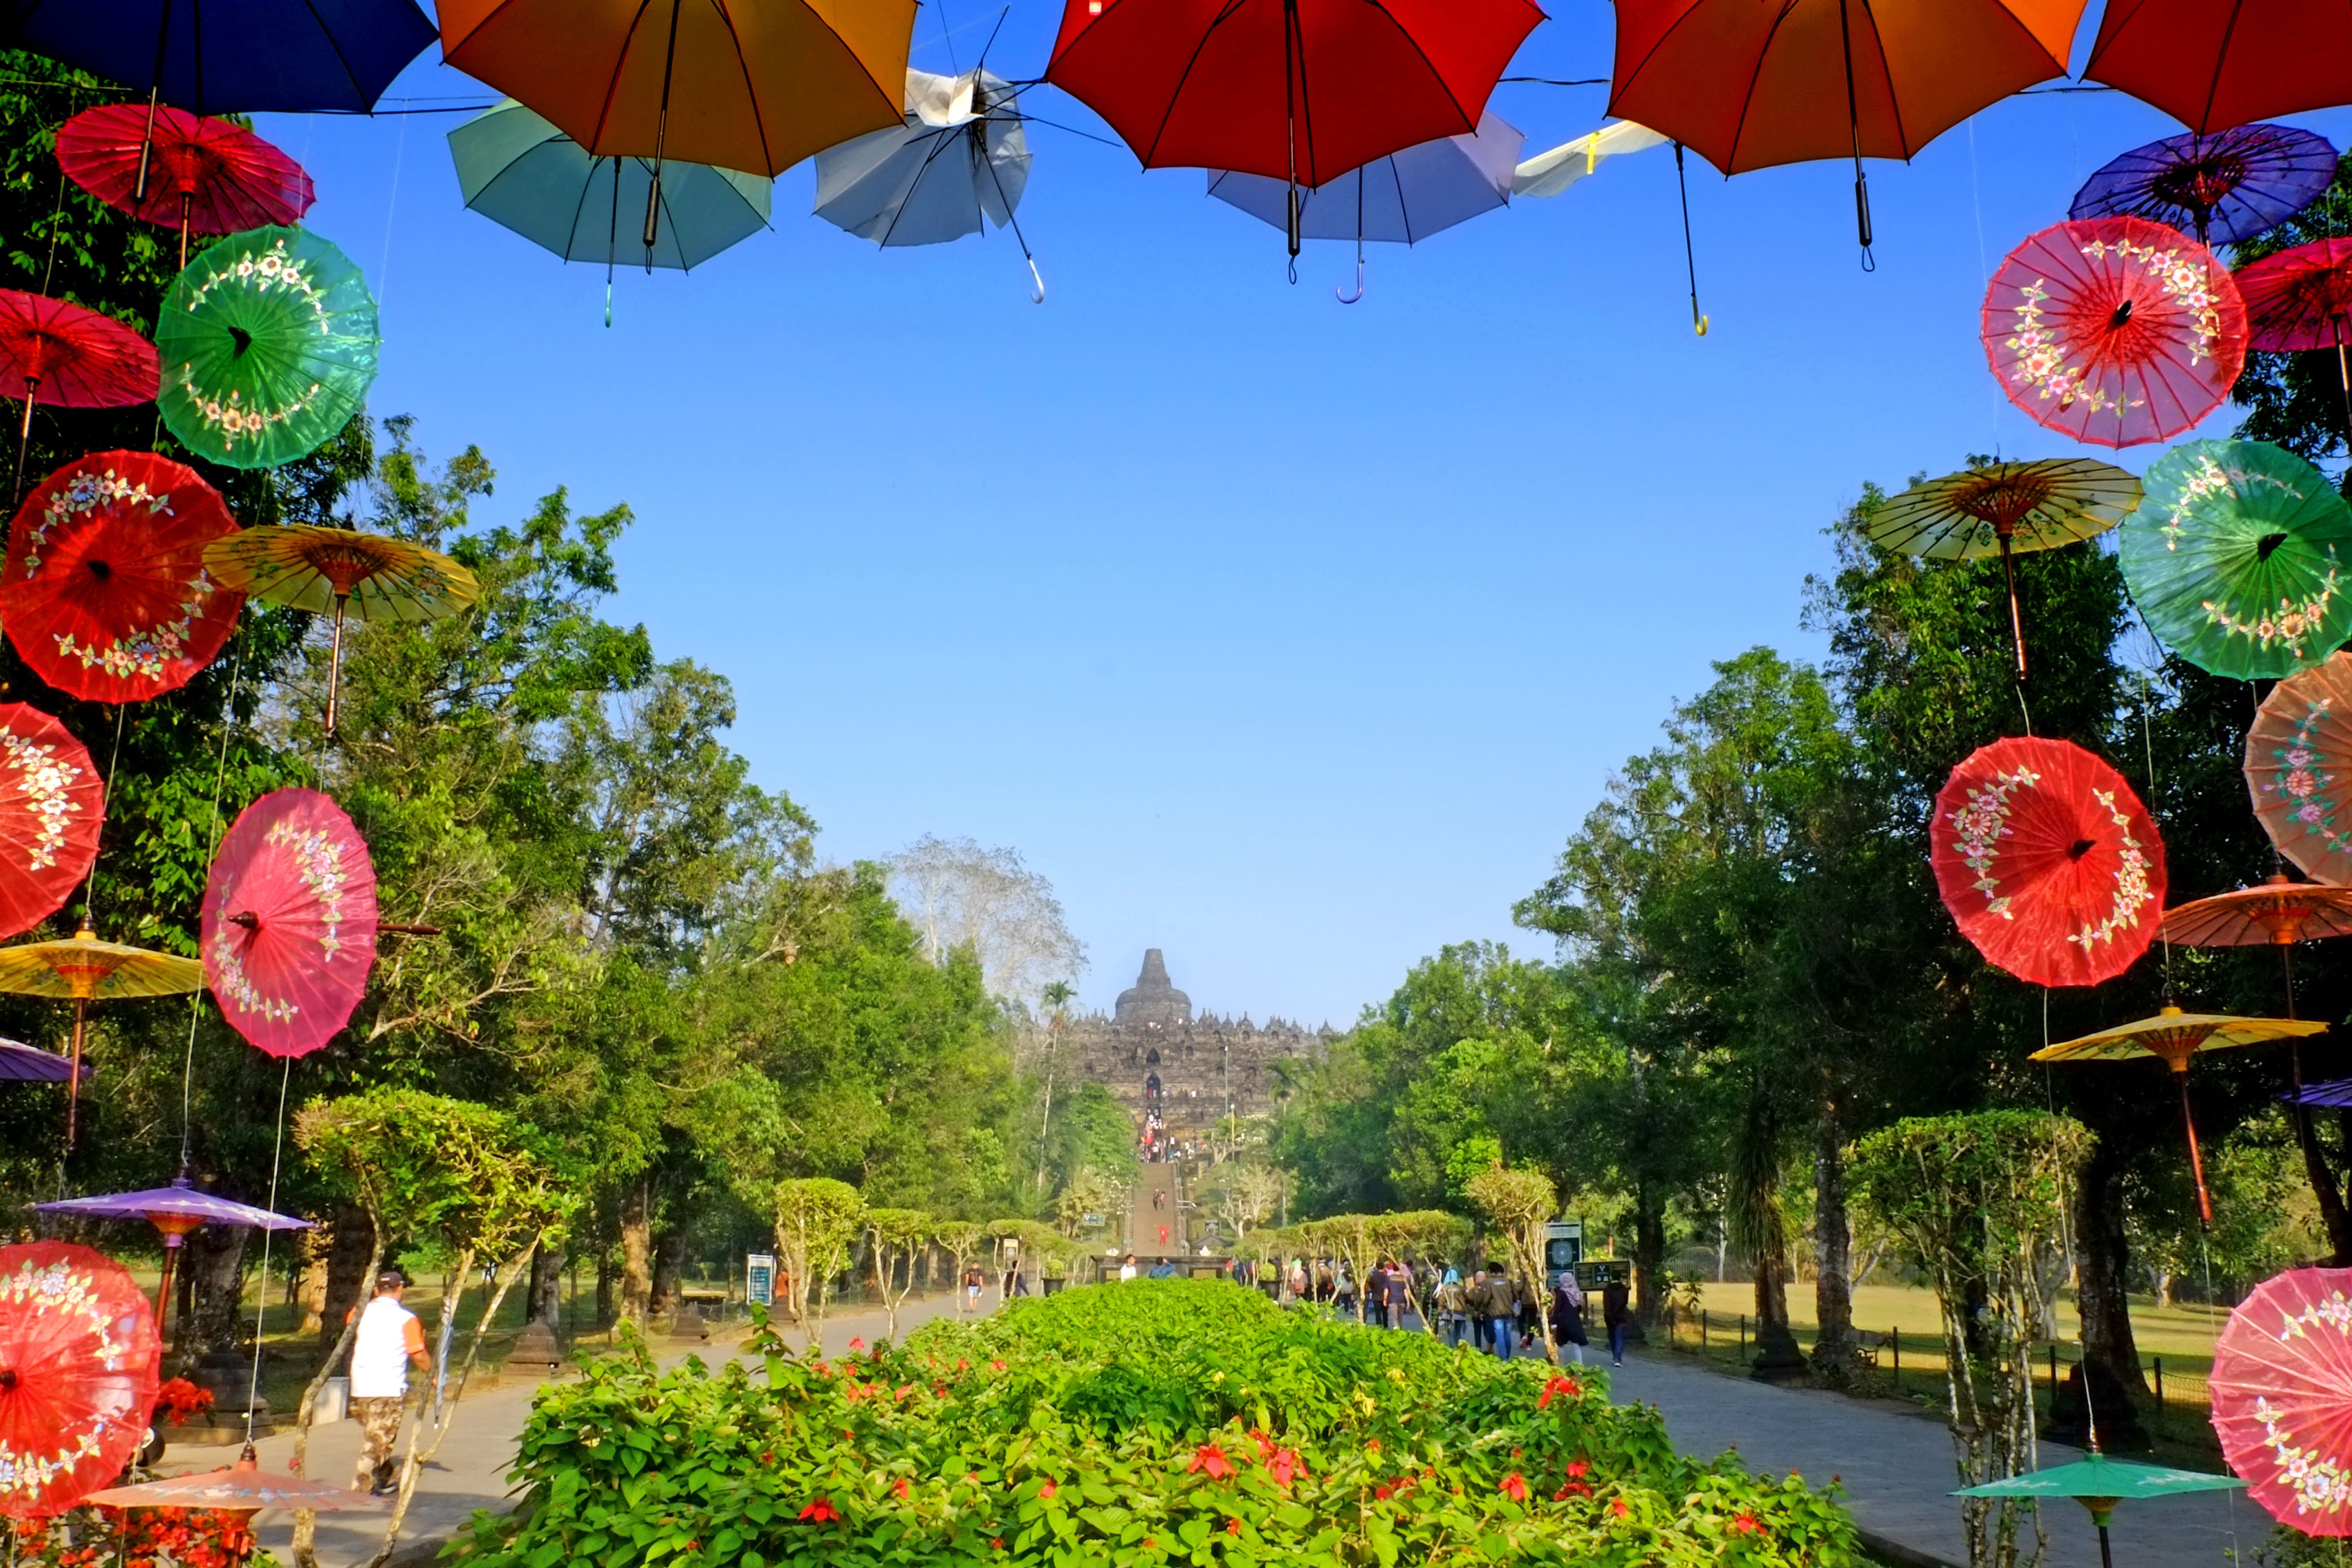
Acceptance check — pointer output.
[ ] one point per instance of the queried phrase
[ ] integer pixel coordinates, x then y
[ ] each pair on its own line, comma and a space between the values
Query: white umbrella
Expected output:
961, 156
1400, 199
1549, 173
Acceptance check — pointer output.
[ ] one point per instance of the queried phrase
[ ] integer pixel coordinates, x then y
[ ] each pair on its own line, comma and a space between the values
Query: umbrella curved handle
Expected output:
1351, 299
1036, 282
1699, 326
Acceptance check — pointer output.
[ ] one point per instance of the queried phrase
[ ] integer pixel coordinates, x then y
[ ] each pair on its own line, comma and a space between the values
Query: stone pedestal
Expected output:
536, 1356
228, 1377
688, 1328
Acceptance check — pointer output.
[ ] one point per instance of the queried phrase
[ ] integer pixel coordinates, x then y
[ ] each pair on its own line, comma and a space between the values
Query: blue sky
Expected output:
1290, 638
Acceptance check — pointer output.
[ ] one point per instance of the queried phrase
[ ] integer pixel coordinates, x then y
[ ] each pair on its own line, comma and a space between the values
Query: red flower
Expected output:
902, 1489
179, 1399
1371, 1444
996, 1366
1745, 1524
1576, 1468
1210, 1457
1559, 1385
821, 1511
822, 1370
1384, 1493
858, 1344
963, 1365
1232, 1527
1150, 1544
1048, 1490
1286, 1465
1267, 1445
1515, 1486
1617, 1506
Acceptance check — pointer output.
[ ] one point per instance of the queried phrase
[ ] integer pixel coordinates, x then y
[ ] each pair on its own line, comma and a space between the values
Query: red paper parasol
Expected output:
2114, 329
1301, 90
104, 590
2211, 64
2297, 299
78, 1375
204, 176
289, 921
2282, 1390
52, 804
68, 357
2049, 862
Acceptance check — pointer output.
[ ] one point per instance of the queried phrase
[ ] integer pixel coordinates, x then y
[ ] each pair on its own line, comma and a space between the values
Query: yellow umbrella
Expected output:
89, 970
339, 571
2173, 1036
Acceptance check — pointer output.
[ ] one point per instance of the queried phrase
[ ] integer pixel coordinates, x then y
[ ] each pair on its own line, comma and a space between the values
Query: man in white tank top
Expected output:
390, 1341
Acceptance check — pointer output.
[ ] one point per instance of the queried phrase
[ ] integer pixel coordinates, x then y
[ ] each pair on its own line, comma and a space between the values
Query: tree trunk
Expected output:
543, 1301
215, 1264
315, 1244
669, 1267
2102, 1272
1649, 1253
604, 1288
351, 1257
1832, 1252
2323, 1187
636, 1252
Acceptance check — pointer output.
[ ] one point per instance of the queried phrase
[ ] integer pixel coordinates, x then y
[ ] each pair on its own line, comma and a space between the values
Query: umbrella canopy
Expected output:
61, 354
2335, 1094
2296, 750
297, 56
2297, 299
519, 171
83, 970
52, 804
2278, 913
722, 83
958, 155
2216, 63
289, 921
104, 590
2114, 331
2221, 188
2282, 1391
1548, 173
174, 1211
2236, 557
2174, 1036
341, 571
21, 1063
78, 1375
1400, 199
268, 344
2048, 862
197, 175
242, 1488
1296, 90
2099, 1483
2001, 509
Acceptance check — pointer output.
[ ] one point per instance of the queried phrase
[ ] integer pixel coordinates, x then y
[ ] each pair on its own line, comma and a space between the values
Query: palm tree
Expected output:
1057, 997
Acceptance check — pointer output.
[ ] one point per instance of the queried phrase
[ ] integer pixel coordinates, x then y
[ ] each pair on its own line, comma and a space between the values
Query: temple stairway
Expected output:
1155, 1232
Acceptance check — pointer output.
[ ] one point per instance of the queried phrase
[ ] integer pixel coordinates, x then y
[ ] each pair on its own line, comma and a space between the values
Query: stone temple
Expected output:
1153, 1053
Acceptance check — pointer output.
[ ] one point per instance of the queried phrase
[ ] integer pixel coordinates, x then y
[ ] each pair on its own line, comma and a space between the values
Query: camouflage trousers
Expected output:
379, 1422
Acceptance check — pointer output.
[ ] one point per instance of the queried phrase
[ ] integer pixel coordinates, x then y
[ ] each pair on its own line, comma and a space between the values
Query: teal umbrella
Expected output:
269, 343
2236, 556
2098, 1483
519, 171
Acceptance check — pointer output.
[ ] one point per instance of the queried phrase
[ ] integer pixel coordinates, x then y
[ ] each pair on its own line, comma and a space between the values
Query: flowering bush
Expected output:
149, 1537
179, 1399
1140, 1424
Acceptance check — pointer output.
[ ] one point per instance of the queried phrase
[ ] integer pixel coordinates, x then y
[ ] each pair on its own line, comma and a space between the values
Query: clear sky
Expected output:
1290, 638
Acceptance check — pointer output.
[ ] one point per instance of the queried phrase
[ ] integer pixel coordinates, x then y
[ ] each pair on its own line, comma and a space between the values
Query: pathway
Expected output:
470, 1472
1897, 1470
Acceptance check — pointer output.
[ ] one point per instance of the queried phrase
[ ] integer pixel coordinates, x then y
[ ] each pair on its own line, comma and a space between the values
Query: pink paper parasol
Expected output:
78, 1365
2282, 1389
289, 921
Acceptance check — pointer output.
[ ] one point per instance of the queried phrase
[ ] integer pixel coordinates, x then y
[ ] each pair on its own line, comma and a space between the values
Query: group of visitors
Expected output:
1488, 1310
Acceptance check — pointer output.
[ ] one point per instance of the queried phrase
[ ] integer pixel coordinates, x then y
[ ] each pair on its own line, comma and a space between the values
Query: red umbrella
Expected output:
204, 176
78, 1364
2297, 300
2211, 64
1750, 86
2114, 329
52, 804
2282, 1391
289, 921
71, 358
1301, 90
2049, 861
104, 590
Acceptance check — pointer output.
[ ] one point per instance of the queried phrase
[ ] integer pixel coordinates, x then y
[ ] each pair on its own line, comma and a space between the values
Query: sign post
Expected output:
759, 1277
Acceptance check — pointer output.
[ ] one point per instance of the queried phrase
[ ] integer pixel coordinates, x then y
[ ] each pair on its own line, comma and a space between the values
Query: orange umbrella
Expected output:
754, 85
1748, 86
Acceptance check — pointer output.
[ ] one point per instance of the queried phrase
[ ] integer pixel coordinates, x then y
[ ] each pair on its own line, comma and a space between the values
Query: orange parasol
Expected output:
2174, 1036
243, 1488
88, 970
338, 570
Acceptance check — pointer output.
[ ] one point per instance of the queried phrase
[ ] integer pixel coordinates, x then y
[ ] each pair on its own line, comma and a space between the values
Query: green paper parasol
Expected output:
268, 344
2236, 558
2098, 1483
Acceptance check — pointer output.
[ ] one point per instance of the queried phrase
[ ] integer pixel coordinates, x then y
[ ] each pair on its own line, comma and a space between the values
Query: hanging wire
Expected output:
261, 1305
196, 998
2148, 742
391, 207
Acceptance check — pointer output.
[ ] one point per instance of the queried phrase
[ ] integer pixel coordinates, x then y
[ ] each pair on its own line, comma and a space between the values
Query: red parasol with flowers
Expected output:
78, 1364
2114, 331
289, 921
202, 175
2049, 861
104, 590
68, 357
52, 804
2282, 1389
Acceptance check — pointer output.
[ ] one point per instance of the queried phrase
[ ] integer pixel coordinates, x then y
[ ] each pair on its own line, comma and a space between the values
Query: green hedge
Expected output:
1146, 1423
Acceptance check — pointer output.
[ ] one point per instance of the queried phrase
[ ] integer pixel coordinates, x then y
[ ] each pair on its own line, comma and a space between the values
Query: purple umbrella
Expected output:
21, 1063
2337, 1093
175, 1210
2227, 186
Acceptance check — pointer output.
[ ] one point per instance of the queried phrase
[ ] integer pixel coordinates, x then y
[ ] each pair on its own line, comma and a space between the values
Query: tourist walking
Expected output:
1502, 1312
1473, 1300
389, 1342
1343, 1291
1447, 1298
1568, 1316
975, 1282
1616, 1312
1394, 1289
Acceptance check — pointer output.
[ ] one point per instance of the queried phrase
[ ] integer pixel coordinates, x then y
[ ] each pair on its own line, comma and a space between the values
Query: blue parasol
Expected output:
297, 56
2227, 186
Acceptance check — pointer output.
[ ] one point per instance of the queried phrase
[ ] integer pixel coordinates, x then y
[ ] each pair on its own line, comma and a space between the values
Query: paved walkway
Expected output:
470, 1471
1897, 1470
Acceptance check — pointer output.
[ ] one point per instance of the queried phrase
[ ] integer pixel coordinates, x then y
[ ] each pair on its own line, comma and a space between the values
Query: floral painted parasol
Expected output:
289, 921
78, 1375
2282, 1389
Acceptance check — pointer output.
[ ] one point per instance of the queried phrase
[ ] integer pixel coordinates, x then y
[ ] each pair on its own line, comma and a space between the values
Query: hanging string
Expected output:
2148, 742
261, 1306
391, 207
105, 801
1984, 271
196, 998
